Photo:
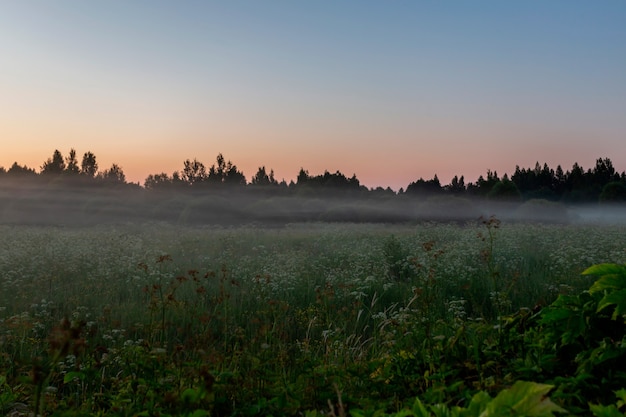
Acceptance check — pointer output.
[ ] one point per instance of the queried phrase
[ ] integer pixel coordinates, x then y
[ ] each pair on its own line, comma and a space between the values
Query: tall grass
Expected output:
280, 313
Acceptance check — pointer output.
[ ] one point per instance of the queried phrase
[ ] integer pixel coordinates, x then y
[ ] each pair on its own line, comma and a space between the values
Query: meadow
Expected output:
302, 319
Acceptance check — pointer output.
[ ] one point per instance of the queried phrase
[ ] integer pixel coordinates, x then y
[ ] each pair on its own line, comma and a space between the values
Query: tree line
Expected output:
599, 183
68, 167
602, 182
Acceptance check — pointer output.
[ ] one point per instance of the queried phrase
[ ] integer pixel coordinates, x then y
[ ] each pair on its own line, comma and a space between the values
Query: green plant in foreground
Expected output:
612, 286
528, 399
584, 339
612, 410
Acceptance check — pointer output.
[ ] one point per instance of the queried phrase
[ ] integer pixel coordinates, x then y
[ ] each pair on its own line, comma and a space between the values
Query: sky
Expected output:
391, 91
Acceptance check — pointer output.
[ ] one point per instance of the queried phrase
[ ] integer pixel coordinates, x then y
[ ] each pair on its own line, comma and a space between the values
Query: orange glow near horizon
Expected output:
389, 92
375, 165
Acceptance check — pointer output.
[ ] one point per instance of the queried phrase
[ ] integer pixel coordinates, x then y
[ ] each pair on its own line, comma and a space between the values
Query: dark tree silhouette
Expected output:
177, 180
54, 165
234, 176
158, 182
600, 183
89, 166
604, 173
225, 173
194, 172
424, 187
456, 186
544, 175
382, 192
71, 163
576, 177
327, 181
115, 174
354, 182
19, 170
483, 186
263, 179
539, 182
303, 177
560, 181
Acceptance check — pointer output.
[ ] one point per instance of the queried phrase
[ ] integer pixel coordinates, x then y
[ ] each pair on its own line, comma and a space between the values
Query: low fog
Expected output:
79, 206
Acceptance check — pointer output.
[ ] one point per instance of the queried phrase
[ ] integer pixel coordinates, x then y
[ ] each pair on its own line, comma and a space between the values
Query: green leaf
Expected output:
524, 399
613, 281
565, 302
70, 376
419, 410
190, 395
608, 283
478, 404
618, 299
554, 315
605, 411
566, 325
621, 397
605, 269
441, 410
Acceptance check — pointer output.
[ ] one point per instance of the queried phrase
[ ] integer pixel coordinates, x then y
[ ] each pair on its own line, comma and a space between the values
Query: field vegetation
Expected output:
480, 318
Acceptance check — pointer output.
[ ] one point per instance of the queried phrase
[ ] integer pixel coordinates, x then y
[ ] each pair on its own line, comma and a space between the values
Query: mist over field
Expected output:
74, 206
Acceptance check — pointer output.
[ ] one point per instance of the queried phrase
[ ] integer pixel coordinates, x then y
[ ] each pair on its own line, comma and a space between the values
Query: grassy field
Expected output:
308, 318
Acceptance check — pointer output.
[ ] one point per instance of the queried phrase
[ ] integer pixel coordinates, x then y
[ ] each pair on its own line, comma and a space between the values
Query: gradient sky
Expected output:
389, 90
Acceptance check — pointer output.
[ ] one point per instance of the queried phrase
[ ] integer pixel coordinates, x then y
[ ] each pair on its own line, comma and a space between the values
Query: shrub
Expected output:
542, 211
613, 192
505, 190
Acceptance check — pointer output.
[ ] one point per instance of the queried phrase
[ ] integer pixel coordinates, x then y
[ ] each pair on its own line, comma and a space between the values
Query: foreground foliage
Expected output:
437, 320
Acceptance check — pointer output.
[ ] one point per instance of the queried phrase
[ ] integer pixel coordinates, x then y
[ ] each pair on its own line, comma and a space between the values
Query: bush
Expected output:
505, 190
542, 211
613, 192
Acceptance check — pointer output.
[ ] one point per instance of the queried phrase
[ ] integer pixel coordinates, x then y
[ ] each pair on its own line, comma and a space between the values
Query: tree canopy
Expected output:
602, 182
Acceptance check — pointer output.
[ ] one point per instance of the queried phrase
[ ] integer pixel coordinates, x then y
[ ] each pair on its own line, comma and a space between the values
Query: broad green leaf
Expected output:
190, 395
524, 399
568, 302
553, 315
442, 410
478, 404
617, 298
608, 282
621, 397
612, 280
419, 410
605, 411
566, 325
605, 269
70, 376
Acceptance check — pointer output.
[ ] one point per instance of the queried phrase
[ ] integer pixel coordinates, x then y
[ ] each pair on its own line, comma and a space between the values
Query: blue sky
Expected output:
392, 91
